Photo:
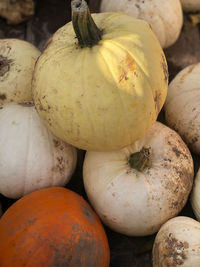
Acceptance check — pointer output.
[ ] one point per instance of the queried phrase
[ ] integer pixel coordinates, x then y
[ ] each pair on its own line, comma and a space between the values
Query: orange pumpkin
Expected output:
52, 227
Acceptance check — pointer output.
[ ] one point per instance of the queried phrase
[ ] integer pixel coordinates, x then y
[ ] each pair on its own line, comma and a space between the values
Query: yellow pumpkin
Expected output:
104, 89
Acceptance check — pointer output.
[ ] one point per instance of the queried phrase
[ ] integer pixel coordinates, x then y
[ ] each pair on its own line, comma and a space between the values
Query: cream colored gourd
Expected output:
164, 16
195, 196
177, 243
17, 11
30, 156
106, 91
17, 60
182, 105
137, 189
190, 5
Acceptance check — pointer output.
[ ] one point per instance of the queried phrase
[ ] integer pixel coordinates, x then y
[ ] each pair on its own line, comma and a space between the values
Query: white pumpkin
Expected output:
195, 196
30, 156
136, 189
17, 11
164, 16
182, 109
190, 5
177, 244
17, 61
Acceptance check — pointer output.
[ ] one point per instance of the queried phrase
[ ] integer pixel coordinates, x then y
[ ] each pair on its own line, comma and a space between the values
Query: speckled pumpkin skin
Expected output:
105, 97
52, 227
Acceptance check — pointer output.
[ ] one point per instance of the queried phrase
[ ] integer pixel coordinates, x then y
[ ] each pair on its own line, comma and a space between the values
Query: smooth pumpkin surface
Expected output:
136, 189
52, 227
31, 157
106, 96
182, 105
166, 25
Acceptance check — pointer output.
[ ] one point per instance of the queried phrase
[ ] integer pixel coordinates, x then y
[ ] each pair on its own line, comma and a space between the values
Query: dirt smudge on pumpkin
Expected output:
190, 69
39, 105
178, 165
171, 252
130, 62
56, 143
175, 249
165, 68
4, 65
157, 100
125, 66
80, 249
123, 76
87, 213
60, 166
30, 222
3, 97
138, 6
178, 152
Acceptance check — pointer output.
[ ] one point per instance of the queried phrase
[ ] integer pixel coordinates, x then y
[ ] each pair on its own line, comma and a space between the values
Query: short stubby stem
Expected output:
86, 31
140, 160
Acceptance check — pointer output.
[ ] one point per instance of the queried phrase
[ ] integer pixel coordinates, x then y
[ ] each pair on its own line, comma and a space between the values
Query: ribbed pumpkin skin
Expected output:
105, 97
52, 227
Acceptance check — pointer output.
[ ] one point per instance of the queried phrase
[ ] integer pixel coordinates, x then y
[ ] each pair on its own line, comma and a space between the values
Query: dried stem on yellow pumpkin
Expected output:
85, 28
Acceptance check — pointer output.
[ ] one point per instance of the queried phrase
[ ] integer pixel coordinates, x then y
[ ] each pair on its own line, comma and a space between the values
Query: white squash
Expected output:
190, 5
30, 156
164, 16
17, 11
177, 244
182, 109
136, 189
17, 61
195, 196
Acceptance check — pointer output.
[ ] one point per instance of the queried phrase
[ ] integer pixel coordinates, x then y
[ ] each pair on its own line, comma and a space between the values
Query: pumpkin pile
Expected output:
98, 86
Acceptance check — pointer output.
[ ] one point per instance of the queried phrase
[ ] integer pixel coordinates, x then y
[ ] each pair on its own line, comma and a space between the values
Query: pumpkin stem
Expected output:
85, 28
140, 160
